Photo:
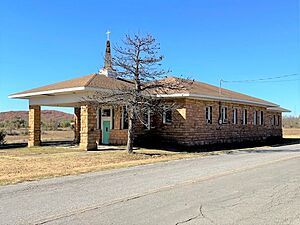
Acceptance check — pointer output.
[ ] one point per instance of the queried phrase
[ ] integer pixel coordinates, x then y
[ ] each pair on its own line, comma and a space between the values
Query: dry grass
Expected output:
62, 135
291, 132
26, 164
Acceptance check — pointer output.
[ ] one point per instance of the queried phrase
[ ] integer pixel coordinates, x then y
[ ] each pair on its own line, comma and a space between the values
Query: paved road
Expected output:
250, 187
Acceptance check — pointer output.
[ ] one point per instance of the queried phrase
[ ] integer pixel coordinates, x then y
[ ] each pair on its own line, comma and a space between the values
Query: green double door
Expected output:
105, 132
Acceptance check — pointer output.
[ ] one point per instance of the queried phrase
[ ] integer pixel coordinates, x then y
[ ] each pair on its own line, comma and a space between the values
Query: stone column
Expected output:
34, 123
88, 131
77, 125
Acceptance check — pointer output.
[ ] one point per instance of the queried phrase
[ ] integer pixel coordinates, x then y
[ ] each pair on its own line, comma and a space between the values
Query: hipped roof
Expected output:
195, 89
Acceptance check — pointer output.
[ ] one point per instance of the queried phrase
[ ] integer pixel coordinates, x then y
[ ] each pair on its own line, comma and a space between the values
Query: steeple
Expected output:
107, 69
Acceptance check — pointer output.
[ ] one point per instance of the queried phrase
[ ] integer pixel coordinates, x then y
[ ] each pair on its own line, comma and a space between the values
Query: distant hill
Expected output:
47, 115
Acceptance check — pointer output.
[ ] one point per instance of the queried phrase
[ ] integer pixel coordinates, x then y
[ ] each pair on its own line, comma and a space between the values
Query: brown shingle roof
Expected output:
92, 80
203, 89
193, 89
76, 82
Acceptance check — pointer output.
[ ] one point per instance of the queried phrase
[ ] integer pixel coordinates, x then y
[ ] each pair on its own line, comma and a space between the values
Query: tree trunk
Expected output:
130, 134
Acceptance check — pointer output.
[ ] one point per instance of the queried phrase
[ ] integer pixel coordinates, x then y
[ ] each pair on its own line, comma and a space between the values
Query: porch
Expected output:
93, 126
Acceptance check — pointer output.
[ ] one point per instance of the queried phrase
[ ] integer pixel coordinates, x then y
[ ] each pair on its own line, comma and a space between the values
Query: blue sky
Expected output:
47, 41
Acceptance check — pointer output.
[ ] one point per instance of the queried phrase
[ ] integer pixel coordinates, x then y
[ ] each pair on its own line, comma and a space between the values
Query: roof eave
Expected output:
48, 92
215, 98
278, 109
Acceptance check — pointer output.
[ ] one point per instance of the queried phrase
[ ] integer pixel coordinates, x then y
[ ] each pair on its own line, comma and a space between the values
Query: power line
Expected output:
268, 79
260, 80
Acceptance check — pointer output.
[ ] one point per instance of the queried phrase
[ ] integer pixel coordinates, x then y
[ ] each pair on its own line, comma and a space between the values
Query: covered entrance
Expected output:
105, 123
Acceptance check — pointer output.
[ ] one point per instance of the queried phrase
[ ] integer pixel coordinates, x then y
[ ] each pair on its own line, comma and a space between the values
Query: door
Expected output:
105, 132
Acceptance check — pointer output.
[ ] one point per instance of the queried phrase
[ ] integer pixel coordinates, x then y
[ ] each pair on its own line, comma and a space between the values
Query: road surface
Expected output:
259, 186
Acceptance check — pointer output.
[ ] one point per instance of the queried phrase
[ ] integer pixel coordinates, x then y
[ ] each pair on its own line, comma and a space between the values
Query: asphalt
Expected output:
258, 186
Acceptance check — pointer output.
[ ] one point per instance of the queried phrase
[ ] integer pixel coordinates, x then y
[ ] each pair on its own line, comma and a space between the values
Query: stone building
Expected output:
205, 114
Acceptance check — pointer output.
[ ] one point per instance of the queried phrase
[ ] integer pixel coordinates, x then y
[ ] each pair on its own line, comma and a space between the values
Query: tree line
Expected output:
18, 123
291, 121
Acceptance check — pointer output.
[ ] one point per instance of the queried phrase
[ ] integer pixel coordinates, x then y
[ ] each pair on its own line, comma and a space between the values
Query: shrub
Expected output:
65, 123
2, 137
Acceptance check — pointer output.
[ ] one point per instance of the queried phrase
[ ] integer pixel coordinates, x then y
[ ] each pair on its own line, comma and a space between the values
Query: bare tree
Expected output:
137, 65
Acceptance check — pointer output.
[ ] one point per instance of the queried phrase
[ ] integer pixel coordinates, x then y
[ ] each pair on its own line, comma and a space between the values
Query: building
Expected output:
205, 114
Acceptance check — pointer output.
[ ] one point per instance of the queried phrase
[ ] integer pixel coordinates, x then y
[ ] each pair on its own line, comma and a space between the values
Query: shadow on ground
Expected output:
46, 143
234, 146
242, 147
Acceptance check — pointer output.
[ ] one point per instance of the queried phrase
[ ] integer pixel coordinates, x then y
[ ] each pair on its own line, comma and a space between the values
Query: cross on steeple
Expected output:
107, 69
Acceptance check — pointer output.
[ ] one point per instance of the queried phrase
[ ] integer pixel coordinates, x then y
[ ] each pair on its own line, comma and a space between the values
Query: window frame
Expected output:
245, 117
165, 116
208, 114
235, 116
273, 120
148, 116
99, 118
123, 118
255, 118
224, 114
261, 118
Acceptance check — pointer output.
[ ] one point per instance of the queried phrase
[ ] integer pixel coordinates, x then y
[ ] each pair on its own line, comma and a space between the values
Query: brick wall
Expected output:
118, 137
189, 126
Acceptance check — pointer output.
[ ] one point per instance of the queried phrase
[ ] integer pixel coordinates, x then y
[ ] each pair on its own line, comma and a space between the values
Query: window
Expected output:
224, 114
167, 116
273, 120
112, 118
124, 118
106, 112
278, 120
234, 116
99, 118
255, 118
260, 117
208, 114
147, 119
244, 118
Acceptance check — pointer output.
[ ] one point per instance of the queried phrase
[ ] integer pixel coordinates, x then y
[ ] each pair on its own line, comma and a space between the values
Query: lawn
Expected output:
27, 164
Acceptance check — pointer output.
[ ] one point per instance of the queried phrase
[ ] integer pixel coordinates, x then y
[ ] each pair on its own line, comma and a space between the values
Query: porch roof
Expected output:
92, 82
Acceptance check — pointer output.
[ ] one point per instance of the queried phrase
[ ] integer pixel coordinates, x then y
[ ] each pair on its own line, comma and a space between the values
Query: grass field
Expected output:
62, 135
291, 132
27, 164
